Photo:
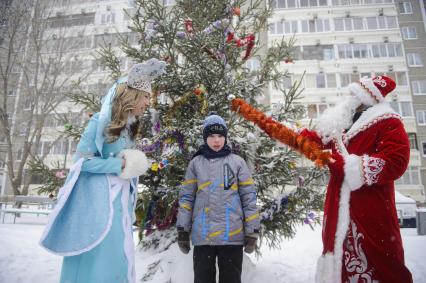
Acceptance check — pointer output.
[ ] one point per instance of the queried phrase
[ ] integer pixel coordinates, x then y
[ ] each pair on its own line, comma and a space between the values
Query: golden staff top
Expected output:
311, 149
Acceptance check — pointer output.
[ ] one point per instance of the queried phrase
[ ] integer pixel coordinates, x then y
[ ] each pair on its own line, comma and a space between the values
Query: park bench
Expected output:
44, 206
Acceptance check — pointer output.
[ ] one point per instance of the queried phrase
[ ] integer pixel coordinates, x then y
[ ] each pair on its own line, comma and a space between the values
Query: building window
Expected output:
409, 33
419, 87
317, 52
410, 177
404, 108
314, 110
19, 155
413, 140
424, 148
346, 79
401, 78
421, 117
108, 18
253, 64
290, 27
27, 103
169, 2
392, 22
414, 60
286, 82
377, 50
328, 54
46, 147
11, 92
320, 79
287, 27
405, 8
23, 130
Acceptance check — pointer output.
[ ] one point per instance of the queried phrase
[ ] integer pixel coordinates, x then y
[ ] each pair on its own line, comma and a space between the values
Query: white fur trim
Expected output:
369, 84
325, 269
362, 94
63, 195
61, 202
329, 266
136, 163
353, 172
370, 117
129, 249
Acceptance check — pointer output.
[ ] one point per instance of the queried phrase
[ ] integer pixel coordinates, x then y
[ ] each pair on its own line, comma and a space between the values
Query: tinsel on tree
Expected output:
208, 47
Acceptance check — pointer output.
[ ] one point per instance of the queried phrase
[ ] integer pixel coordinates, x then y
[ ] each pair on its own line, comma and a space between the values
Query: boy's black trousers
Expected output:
229, 261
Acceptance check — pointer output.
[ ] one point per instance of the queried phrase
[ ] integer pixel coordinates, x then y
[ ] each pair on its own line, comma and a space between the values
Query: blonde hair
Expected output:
122, 106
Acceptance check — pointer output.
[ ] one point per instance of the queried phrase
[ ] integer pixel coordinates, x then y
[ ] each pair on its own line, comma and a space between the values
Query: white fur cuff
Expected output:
136, 163
353, 172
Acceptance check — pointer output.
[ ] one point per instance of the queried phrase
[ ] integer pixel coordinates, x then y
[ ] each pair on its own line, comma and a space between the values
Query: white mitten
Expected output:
136, 163
353, 171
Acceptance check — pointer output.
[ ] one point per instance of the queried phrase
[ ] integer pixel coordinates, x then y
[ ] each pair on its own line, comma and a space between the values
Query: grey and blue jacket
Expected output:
217, 201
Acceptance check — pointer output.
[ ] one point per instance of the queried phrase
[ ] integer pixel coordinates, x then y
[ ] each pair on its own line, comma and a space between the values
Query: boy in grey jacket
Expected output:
217, 205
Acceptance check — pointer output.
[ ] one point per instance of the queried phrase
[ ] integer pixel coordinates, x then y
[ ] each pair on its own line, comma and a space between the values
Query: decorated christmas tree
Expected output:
216, 51
210, 48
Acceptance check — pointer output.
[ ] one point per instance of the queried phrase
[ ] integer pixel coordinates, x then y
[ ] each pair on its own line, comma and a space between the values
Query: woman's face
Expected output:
141, 104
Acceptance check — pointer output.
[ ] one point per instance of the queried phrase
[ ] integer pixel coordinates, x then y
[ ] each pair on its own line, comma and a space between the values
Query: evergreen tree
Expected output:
209, 47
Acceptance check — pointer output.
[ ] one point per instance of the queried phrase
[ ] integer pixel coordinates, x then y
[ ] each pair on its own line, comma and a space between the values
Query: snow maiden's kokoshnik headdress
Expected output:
140, 77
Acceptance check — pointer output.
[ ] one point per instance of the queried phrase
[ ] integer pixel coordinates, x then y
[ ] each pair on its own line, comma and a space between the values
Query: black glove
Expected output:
183, 241
250, 242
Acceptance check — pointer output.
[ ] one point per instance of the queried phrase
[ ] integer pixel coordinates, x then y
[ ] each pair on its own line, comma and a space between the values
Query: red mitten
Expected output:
311, 135
336, 165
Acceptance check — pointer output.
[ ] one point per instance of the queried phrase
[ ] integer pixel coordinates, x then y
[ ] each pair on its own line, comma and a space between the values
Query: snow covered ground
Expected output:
23, 261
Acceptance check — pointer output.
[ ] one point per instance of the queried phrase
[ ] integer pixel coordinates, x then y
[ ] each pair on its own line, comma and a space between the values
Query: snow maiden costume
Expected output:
361, 237
91, 225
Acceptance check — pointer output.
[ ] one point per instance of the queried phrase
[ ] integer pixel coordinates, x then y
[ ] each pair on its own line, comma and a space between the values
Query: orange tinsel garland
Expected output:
274, 129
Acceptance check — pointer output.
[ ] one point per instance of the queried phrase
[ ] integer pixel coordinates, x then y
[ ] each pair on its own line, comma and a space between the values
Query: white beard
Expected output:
335, 120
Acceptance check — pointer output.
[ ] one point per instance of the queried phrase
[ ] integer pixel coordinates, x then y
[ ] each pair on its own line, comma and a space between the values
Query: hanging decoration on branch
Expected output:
223, 24
247, 42
190, 31
237, 11
311, 149
184, 100
189, 26
200, 90
151, 30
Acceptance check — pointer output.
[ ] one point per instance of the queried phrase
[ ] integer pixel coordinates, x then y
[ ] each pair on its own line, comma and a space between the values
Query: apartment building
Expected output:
86, 25
339, 41
411, 18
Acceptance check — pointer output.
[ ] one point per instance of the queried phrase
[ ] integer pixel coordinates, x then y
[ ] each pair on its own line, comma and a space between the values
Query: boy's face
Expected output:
216, 142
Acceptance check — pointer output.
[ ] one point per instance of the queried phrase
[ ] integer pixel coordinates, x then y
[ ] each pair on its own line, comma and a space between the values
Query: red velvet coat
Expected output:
361, 237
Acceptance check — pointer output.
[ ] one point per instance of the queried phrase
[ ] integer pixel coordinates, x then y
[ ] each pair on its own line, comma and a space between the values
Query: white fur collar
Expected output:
370, 117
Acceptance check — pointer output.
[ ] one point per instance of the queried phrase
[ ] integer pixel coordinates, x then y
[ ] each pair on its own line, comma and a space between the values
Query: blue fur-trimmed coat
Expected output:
83, 214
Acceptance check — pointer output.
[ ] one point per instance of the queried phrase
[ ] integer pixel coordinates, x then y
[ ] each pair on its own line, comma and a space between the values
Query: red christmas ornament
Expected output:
201, 89
250, 44
237, 11
230, 37
189, 27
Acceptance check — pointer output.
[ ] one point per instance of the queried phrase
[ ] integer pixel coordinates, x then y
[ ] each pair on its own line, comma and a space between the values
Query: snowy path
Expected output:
23, 261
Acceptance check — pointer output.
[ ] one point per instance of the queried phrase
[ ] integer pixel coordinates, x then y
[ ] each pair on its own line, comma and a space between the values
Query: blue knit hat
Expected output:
214, 124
